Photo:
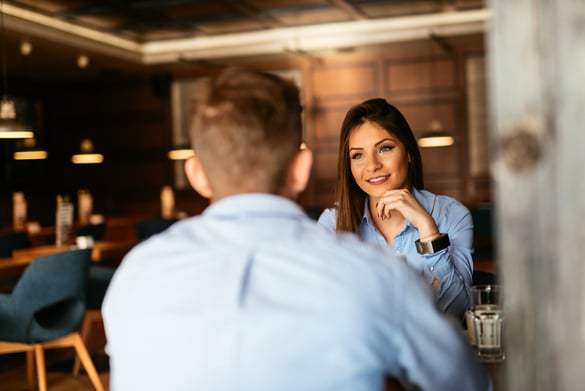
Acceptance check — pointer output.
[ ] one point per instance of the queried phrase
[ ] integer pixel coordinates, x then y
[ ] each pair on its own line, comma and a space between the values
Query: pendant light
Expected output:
87, 154
436, 136
30, 151
10, 127
181, 153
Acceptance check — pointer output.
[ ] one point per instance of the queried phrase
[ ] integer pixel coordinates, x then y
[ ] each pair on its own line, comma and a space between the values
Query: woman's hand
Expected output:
402, 201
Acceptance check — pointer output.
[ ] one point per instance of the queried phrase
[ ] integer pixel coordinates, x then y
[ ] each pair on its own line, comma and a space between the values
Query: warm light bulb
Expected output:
26, 48
435, 141
30, 155
82, 61
87, 158
181, 154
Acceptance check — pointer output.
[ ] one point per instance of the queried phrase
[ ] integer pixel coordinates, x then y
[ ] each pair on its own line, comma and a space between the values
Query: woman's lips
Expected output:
378, 180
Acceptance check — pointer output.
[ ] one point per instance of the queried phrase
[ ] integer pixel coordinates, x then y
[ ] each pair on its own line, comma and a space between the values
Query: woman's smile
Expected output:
378, 180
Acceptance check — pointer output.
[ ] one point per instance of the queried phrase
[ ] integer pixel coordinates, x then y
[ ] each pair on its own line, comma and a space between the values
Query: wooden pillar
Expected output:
536, 68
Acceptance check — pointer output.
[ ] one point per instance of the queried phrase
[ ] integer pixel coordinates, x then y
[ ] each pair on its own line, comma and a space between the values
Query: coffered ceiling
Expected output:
161, 34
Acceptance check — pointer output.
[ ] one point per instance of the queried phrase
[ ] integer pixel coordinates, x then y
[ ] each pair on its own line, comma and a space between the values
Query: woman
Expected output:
381, 197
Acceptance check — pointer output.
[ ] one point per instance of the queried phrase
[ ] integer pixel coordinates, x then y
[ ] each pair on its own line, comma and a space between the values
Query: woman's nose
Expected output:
373, 164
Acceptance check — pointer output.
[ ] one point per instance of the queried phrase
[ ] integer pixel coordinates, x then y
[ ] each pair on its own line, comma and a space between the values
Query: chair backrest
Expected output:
96, 231
11, 241
483, 232
48, 300
146, 228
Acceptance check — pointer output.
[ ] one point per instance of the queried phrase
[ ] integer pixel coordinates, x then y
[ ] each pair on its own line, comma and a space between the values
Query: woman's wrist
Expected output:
429, 238
428, 231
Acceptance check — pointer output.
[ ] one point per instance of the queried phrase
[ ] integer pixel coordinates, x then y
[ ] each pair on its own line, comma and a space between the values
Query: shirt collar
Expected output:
253, 204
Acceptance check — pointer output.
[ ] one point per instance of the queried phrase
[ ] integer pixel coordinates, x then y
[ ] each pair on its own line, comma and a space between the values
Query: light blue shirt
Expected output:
453, 266
254, 295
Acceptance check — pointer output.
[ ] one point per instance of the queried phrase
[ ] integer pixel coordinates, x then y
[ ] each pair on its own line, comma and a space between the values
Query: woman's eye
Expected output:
386, 148
356, 156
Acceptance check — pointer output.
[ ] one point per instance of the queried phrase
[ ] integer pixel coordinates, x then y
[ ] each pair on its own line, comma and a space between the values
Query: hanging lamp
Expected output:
30, 151
436, 136
87, 154
181, 153
10, 127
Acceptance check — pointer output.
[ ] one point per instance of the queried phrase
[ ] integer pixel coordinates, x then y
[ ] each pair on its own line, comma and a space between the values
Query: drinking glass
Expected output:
485, 321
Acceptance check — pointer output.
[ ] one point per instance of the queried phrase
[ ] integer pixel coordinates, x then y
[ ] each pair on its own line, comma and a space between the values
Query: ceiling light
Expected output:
181, 154
26, 48
9, 126
30, 151
87, 155
82, 61
436, 137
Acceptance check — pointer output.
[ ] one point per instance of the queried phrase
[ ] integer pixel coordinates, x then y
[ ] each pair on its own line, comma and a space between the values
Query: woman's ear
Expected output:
299, 173
197, 177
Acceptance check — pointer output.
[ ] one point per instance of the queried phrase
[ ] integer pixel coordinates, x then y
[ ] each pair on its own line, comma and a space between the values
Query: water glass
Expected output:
485, 321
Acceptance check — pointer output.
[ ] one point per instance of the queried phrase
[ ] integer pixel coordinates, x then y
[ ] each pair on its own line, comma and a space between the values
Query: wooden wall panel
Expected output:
419, 115
440, 162
345, 80
325, 167
419, 75
447, 187
327, 124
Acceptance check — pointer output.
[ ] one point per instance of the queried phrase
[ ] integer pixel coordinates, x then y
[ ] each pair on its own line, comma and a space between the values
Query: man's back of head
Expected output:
246, 131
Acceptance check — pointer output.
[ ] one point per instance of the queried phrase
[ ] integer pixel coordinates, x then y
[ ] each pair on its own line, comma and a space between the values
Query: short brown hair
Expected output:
246, 130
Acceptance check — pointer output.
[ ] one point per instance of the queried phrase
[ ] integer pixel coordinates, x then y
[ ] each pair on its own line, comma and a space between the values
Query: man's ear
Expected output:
299, 172
197, 177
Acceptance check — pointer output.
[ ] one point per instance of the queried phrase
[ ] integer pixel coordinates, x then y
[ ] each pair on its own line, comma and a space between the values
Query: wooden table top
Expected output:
103, 251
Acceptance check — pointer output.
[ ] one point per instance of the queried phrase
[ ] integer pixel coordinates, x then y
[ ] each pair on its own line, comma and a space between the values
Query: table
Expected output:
105, 252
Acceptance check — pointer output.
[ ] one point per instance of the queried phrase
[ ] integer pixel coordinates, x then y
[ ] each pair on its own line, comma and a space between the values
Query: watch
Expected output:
433, 246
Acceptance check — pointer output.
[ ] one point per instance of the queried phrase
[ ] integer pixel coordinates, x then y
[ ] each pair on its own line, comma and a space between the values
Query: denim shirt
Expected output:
452, 266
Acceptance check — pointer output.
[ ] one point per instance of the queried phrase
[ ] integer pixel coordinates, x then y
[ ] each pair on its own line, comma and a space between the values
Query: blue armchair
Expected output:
11, 241
148, 227
45, 309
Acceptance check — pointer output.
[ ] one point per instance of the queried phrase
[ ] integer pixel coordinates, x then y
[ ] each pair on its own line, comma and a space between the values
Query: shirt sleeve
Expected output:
453, 266
433, 353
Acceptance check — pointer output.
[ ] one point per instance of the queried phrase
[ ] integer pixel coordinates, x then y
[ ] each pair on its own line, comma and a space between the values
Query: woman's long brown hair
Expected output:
350, 198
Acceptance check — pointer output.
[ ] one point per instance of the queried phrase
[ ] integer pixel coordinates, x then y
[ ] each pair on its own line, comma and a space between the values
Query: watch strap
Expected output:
433, 246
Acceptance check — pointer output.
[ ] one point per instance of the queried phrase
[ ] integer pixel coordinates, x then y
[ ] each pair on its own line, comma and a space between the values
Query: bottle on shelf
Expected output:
63, 220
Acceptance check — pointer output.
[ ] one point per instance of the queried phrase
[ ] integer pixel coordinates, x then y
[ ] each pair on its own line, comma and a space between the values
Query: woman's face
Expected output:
378, 159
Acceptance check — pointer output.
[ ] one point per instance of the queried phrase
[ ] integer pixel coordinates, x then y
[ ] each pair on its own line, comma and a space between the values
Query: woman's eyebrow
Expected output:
375, 145
384, 139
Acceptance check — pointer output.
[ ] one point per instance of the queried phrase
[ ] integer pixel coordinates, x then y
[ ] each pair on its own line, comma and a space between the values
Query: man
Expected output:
254, 295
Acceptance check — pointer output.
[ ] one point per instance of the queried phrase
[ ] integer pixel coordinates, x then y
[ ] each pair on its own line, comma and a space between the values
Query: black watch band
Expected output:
433, 246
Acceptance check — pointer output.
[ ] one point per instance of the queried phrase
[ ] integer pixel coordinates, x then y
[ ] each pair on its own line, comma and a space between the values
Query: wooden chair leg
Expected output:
84, 331
74, 340
41, 370
83, 354
30, 370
